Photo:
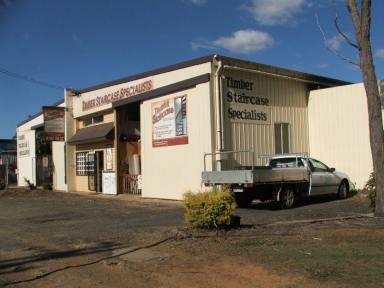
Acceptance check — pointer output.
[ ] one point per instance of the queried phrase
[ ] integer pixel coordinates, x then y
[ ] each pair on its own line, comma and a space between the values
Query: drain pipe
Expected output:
219, 111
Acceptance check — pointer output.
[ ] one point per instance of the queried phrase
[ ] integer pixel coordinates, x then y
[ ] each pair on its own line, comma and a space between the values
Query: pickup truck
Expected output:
284, 179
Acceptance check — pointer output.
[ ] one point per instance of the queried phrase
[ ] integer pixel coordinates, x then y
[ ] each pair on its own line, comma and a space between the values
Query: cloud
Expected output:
275, 12
380, 53
198, 2
335, 42
323, 66
242, 41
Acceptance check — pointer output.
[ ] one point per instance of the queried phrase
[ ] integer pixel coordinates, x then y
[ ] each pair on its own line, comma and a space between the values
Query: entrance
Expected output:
95, 162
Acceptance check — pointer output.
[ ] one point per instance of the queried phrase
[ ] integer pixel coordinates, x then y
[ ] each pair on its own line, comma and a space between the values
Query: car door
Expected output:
319, 177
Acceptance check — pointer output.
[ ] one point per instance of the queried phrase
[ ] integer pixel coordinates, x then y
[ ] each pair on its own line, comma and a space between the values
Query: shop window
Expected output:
93, 120
282, 138
82, 163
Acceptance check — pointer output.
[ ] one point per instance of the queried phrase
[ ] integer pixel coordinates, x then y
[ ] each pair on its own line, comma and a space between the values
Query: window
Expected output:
282, 138
317, 166
93, 120
286, 163
84, 163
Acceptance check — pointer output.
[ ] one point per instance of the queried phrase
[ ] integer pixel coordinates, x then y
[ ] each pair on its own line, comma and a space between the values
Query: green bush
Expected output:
370, 189
212, 209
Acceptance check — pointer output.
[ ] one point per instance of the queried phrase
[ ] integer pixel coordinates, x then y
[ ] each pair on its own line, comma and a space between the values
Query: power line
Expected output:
30, 79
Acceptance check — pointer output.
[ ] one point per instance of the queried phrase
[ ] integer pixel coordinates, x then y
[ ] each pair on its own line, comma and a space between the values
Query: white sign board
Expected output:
109, 183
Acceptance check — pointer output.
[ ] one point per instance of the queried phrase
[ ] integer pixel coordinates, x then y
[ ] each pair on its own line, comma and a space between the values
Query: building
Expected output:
41, 157
339, 129
147, 134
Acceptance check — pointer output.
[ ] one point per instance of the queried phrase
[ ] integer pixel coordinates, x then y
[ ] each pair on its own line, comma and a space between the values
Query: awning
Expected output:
37, 126
94, 134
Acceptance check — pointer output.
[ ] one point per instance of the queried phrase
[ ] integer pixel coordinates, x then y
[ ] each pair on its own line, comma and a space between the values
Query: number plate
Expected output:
238, 190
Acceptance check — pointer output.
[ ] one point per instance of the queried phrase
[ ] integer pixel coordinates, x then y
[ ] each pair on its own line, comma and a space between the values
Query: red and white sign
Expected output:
169, 122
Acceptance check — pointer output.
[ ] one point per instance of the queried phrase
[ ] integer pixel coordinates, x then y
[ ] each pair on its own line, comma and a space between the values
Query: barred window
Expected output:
82, 164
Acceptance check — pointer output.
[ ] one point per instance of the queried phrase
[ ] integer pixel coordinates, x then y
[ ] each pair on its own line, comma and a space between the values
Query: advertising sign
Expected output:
169, 122
54, 123
244, 103
23, 146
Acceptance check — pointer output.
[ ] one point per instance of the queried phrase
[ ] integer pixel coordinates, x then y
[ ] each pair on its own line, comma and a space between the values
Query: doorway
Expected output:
95, 171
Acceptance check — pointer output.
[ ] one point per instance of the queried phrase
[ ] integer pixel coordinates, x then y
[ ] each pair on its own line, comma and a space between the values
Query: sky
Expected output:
81, 43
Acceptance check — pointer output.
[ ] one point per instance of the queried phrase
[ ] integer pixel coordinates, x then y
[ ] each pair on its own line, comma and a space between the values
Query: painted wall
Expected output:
339, 131
170, 171
59, 173
26, 162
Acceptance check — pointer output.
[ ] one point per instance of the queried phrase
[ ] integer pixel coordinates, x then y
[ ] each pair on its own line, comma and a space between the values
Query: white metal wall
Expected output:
339, 132
169, 172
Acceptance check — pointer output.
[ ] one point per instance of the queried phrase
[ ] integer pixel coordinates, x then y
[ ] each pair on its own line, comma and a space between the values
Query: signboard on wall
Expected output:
23, 146
109, 183
54, 123
109, 158
169, 122
244, 103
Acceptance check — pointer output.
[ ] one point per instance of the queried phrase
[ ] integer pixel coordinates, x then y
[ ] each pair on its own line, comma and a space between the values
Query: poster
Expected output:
169, 122
109, 159
109, 183
54, 123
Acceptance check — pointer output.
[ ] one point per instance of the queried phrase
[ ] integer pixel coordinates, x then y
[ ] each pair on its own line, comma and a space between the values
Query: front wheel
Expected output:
288, 198
342, 192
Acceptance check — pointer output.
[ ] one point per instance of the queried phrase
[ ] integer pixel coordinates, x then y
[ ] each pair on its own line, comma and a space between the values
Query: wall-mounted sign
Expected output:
169, 122
54, 123
23, 146
243, 103
127, 90
109, 158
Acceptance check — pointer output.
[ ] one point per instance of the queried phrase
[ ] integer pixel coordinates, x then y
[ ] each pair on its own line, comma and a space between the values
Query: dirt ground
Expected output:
66, 240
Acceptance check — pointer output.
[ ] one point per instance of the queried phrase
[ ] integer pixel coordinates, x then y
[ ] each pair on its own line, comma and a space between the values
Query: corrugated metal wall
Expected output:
287, 104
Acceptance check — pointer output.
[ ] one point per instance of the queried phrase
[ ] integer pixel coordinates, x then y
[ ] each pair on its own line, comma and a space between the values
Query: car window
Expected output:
286, 163
317, 166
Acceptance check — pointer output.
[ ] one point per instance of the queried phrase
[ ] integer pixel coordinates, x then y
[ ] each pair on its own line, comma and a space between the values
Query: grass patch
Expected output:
357, 259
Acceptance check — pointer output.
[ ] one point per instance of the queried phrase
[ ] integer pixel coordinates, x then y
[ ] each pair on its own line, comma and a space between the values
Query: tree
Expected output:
360, 12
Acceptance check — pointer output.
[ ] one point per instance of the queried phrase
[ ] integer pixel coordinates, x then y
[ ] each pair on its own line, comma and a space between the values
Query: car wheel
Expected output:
342, 192
243, 200
288, 198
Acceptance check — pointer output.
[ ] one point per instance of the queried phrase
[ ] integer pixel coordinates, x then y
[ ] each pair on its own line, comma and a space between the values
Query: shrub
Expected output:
370, 189
212, 209
47, 186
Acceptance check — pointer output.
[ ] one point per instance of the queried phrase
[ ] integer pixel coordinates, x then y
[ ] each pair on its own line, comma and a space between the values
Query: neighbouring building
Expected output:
339, 129
147, 134
41, 152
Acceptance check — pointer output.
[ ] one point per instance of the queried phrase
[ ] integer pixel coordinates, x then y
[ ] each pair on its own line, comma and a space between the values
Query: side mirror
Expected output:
332, 170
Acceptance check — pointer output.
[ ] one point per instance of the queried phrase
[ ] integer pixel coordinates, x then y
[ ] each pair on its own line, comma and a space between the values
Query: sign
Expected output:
109, 158
54, 123
128, 90
243, 103
109, 183
169, 122
23, 146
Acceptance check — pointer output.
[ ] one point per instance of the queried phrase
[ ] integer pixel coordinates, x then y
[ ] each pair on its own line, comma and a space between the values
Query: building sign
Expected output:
243, 103
54, 123
23, 146
169, 122
128, 90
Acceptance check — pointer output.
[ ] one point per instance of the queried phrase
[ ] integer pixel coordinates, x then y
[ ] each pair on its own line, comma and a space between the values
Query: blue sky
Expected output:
79, 43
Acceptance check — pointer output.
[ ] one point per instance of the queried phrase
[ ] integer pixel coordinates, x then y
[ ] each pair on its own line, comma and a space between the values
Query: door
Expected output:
95, 171
282, 138
323, 181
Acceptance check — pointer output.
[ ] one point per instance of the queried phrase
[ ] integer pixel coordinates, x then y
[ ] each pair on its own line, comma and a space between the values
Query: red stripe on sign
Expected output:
170, 142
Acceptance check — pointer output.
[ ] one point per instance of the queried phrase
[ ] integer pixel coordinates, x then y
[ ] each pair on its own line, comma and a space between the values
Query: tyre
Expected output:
288, 198
343, 190
243, 200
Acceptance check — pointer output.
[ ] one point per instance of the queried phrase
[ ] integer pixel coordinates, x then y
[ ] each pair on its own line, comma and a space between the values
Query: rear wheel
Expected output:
288, 198
243, 200
342, 192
